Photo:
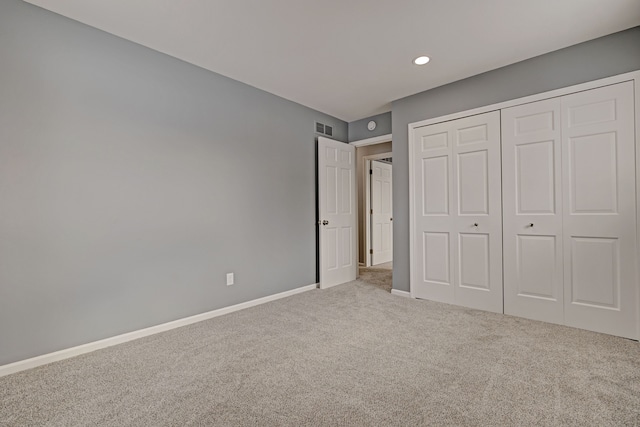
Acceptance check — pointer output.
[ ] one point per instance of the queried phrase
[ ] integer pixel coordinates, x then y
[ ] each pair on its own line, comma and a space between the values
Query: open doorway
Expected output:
379, 230
375, 215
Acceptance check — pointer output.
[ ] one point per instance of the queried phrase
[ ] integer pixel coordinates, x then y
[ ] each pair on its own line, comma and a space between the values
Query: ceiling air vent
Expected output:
324, 129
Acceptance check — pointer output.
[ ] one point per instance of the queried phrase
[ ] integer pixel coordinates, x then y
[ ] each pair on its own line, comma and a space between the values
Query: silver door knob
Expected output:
325, 222
475, 224
530, 224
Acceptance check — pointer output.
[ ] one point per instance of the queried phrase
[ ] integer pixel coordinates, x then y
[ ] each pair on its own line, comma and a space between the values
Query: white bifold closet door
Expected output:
457, 243
532, 209
570, 210
598, 175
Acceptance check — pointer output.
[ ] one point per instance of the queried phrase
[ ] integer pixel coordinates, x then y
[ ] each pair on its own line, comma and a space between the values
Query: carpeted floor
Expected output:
353, 355
378, 275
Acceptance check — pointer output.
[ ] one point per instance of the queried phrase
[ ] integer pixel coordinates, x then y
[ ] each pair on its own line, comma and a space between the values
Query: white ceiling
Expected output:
351, 58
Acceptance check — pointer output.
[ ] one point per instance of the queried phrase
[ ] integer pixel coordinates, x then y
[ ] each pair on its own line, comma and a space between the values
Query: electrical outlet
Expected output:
229, 279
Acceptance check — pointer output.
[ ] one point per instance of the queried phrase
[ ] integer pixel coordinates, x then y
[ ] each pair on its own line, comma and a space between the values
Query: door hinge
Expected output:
371, 211
371, 251
370, 171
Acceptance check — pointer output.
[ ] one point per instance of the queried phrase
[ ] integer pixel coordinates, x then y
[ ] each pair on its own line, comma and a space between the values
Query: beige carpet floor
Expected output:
353, 355
380, 275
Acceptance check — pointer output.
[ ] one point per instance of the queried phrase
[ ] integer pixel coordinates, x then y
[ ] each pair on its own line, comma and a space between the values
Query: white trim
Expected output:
400, 293
372, 141
636, 84
130, 336
411, 210
631, 76
367, 202
367, 211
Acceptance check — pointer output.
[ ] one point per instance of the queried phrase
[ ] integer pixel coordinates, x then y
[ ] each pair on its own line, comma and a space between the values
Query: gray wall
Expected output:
132, 182
614, 54
358, 129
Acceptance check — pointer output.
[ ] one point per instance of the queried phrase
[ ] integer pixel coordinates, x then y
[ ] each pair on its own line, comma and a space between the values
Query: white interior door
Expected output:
532, 211
381, 213
600, 257
457, 212
337, 212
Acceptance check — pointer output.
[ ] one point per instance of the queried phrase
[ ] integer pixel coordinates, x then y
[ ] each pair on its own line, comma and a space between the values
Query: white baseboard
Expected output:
34, 362
401, 293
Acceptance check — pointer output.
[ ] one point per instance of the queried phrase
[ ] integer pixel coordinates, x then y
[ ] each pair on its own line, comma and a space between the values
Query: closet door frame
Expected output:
631, 76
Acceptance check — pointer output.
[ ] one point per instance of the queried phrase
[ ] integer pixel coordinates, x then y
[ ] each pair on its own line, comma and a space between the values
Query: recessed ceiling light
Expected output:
421, 60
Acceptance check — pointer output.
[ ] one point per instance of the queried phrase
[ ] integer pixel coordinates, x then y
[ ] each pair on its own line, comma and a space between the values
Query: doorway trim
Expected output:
361, 143
367, 201
372, 141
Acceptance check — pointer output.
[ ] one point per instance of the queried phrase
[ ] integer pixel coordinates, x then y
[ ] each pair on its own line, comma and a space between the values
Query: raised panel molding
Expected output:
534, 123
331, 154
347, 196
438, 140
473, 183
594, 185
345, 157
535, 177
435, 178
595, 278
332, 182
332, 241
592, 113
436, 258
536, 264
473, 134
347, 244
386, 203
474, 261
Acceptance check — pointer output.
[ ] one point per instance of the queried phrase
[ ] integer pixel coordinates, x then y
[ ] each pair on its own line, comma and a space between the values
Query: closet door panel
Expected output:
473, 183
432, 276
478, 220
600, 210
457, 212
532, 211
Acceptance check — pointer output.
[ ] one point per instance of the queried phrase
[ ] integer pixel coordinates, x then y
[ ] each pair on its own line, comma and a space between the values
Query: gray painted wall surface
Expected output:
358, 129
132, 182
603, 57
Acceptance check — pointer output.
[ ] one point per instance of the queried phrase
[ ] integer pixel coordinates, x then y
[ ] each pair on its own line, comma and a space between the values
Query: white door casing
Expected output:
457, 212
598, 165
382, 212
532, 211
337, 212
